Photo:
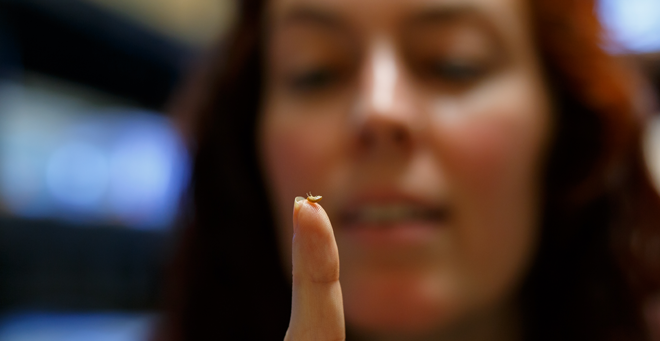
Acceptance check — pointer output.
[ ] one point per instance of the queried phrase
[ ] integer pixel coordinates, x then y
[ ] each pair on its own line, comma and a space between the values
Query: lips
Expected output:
384, 215
394, 219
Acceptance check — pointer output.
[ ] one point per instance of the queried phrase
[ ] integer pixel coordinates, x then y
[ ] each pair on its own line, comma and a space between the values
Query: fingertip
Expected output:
315, 248
313, 215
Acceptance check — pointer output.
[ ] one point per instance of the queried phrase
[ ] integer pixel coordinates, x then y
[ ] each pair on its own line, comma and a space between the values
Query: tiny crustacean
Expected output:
312, 198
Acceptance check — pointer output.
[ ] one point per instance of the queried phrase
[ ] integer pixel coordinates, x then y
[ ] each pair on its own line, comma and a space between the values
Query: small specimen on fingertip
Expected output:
312, 198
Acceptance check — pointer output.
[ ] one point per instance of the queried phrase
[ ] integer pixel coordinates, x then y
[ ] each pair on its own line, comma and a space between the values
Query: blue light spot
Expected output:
77, 175
148, 167
634, 25
141, 172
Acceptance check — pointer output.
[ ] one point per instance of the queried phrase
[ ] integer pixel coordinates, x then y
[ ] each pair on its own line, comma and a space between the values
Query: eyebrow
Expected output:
305, 14
459, 13
450, 13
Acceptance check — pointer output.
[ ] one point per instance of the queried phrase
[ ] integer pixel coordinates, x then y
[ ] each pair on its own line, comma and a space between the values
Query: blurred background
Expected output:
92, 169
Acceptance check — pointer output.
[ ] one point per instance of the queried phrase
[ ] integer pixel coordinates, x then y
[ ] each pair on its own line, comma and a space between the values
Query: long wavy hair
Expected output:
599, 255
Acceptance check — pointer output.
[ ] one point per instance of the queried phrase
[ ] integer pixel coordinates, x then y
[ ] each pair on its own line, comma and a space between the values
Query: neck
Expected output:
500, 324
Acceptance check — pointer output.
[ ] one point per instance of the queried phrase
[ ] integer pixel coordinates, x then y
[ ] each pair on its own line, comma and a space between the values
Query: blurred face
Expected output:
423, 124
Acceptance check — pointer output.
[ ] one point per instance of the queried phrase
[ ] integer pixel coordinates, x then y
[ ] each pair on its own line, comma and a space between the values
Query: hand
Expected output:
317, 310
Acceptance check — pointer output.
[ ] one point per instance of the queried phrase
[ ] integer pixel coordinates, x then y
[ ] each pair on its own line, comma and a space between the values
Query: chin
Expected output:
399, 305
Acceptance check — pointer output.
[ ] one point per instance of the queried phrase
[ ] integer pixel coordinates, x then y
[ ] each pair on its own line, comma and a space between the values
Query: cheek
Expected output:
477, 154
492, 139
495, 152
492, 161
289, 160
299, 153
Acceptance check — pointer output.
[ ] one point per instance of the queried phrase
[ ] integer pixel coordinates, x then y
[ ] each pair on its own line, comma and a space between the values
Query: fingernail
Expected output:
297, 203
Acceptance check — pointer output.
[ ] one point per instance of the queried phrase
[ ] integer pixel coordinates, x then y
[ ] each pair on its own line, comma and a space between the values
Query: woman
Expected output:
479, 161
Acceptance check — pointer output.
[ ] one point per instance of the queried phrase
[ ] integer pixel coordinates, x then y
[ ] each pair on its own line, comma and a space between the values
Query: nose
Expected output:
384, 120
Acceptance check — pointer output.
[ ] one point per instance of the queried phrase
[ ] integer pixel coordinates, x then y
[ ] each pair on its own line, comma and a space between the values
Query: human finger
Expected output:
317, 308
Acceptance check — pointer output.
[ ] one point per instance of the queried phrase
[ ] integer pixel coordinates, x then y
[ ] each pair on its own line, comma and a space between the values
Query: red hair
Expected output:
571, 39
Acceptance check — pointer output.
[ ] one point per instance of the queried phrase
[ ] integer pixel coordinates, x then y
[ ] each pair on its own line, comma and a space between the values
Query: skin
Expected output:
438, 102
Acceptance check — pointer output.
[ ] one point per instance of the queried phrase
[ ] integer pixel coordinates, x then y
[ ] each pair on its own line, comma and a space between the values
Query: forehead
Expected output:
382, 16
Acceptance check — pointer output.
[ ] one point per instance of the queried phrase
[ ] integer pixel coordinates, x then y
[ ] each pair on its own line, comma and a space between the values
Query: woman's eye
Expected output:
457, 71
314, 79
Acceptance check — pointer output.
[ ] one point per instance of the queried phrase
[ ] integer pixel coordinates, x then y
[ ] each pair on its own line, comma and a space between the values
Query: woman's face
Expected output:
424, 125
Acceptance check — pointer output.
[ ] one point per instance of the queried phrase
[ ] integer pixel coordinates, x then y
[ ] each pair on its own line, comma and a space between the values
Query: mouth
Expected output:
391, 214
394, 221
